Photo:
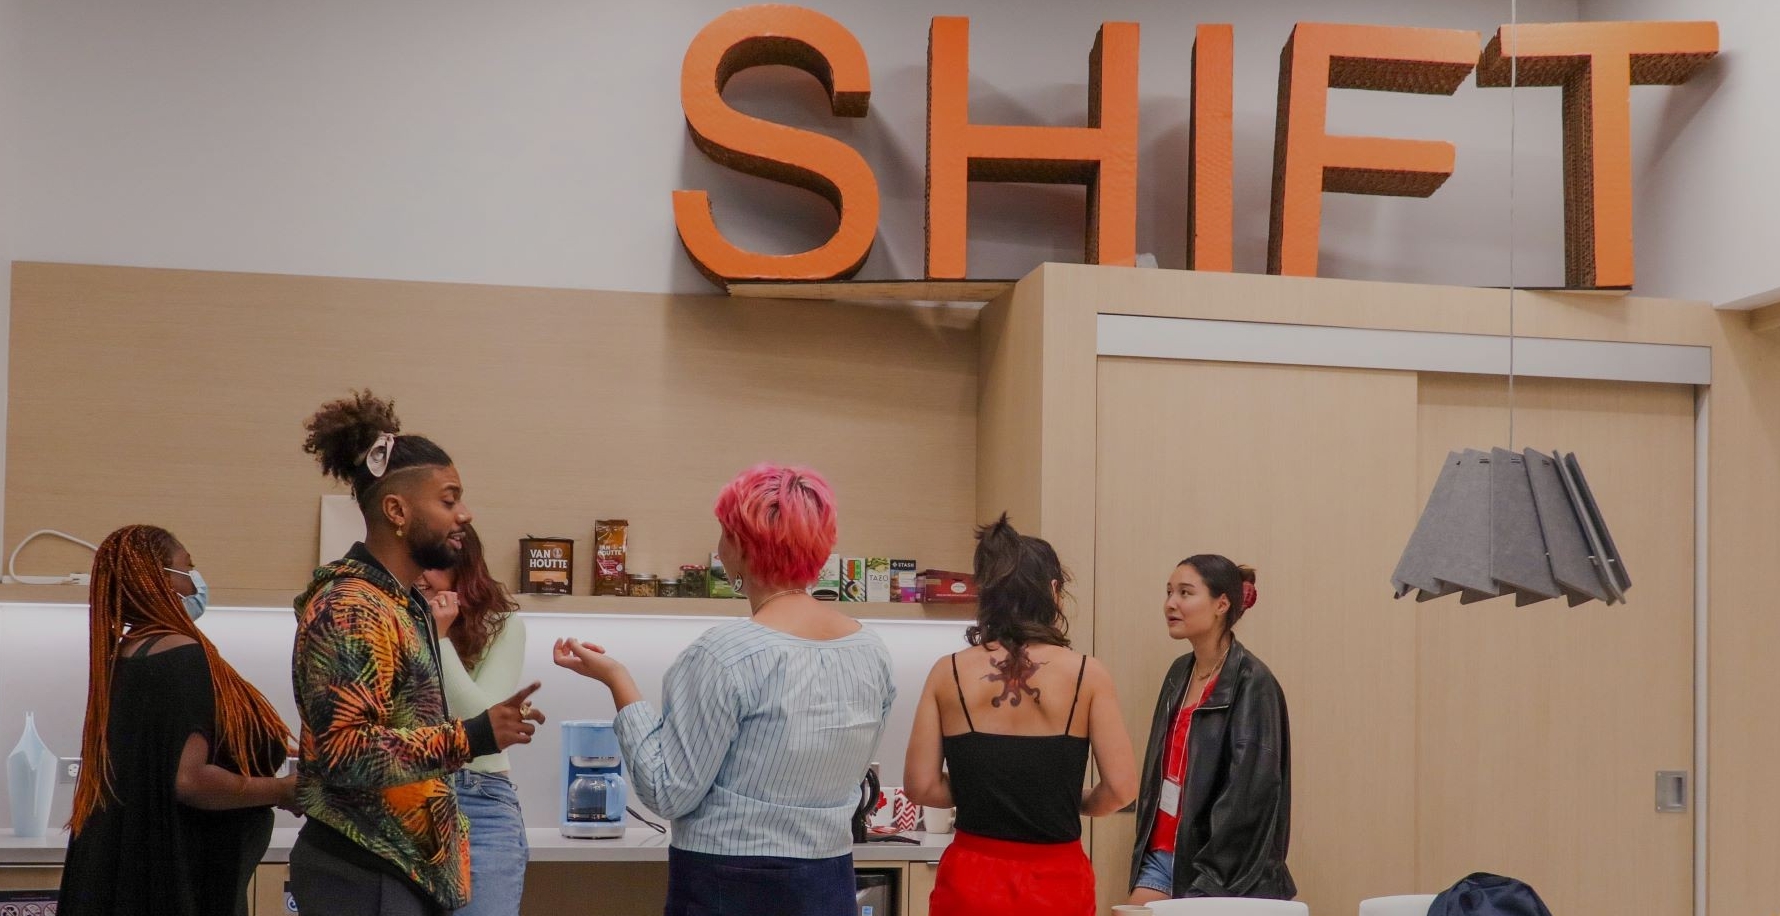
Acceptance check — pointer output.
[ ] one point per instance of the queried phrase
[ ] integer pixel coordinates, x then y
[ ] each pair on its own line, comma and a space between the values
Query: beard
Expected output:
432, 549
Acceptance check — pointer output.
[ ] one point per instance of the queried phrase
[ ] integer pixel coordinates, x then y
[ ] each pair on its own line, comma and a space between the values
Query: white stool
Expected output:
1406, 905
1228, 906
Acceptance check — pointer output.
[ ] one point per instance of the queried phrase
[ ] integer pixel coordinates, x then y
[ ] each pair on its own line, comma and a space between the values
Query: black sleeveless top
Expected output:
145, 853
1024, 788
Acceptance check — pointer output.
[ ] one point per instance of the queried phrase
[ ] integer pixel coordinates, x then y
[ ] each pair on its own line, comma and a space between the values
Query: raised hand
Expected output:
513, 718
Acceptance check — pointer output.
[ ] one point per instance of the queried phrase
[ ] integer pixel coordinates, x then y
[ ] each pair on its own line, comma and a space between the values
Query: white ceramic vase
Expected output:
31, 782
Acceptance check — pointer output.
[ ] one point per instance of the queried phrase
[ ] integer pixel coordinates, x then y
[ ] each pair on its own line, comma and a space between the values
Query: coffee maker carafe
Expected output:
594, 792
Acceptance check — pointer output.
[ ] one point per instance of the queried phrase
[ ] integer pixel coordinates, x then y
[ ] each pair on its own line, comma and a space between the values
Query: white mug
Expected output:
936, 820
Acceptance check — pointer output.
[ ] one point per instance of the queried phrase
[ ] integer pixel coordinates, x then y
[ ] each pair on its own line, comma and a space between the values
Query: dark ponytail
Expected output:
1224, 578
1017, 605
342, 432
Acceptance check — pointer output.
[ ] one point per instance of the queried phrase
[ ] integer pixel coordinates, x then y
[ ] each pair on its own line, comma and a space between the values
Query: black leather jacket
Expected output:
1236, 806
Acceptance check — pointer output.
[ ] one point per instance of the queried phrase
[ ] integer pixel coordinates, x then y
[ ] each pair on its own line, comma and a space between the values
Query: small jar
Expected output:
692, 582
670, 588
644, 586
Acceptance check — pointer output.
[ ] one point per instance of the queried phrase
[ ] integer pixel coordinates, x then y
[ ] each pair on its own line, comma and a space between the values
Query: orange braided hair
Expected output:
132, 595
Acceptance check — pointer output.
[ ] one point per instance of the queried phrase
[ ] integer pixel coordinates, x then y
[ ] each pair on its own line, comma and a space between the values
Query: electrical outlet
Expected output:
67, 771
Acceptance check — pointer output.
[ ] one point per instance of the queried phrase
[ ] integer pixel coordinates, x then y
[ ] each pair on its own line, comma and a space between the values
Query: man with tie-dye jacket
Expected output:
384, 836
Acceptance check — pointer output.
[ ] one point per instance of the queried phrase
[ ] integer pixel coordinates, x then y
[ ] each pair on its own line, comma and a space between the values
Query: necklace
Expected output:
1219, 666
775, 595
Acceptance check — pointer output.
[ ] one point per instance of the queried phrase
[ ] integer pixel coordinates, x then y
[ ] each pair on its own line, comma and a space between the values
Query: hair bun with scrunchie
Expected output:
1249, 595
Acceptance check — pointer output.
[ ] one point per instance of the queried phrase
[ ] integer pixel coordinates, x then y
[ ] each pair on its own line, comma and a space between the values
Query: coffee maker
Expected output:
594, 792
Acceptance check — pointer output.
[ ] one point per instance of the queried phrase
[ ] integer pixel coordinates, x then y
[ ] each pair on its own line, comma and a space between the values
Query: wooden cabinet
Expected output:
30, 877
917, 884
265, 897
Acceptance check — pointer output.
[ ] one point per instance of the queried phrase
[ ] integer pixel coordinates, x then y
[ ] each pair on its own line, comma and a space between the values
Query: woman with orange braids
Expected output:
173, 809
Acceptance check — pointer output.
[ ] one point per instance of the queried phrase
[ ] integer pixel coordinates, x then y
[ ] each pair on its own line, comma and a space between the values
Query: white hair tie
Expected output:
376, 460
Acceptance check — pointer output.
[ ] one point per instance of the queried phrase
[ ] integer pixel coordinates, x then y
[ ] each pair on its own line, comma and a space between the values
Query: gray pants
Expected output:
324, 885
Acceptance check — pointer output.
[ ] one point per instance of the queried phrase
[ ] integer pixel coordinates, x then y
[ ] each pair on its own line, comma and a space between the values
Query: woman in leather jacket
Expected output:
1215, 806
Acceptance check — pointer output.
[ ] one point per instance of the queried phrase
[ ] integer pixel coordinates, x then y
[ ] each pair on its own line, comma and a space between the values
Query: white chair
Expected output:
1405, 905
1228, 906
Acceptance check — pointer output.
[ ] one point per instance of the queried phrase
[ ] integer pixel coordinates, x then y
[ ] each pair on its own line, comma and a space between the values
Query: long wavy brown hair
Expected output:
131, 596
1016, 576
483, 603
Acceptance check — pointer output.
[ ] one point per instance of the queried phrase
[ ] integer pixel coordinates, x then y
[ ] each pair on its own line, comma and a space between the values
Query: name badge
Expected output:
1169, 802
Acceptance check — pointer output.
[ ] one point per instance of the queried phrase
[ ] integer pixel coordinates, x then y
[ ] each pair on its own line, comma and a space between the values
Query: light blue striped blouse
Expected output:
762, 740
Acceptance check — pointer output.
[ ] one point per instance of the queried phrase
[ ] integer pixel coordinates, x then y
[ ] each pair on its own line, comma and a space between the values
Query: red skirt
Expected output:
979, 876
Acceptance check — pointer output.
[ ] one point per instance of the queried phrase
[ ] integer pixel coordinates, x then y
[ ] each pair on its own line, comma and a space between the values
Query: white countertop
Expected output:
639, 844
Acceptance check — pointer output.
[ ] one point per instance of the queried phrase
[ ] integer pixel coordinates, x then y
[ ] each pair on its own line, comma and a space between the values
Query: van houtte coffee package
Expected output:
610, 536
546, 566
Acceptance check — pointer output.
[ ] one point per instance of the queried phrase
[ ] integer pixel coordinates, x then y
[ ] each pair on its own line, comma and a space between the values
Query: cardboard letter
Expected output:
1307, 161
757, 36
1102, 155
1597, 63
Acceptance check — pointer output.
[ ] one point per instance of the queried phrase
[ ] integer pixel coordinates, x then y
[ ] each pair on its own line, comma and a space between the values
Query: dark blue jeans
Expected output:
707, 885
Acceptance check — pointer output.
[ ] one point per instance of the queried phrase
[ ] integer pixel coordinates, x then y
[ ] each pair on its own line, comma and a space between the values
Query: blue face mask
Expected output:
195, 604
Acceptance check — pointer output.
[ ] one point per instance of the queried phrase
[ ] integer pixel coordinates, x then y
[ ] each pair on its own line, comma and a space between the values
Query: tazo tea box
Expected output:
853, 579
546, 566
905, 584
609, 539
828, 584
877, 579
717, 582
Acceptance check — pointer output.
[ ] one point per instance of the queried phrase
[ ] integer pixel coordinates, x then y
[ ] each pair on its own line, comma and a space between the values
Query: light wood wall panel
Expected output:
1010, 406
1744, 802
177, 397
1298, 472
1541, 728
1036, 373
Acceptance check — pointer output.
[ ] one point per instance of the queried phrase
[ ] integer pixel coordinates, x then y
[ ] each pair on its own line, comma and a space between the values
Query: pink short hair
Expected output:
782, 518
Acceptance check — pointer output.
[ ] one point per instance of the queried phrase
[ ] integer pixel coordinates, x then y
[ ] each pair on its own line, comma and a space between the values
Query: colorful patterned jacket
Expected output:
377, 741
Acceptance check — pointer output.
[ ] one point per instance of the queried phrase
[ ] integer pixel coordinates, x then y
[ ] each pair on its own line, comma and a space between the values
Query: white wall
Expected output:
12, 43
1704, 186
43, 670
537, 143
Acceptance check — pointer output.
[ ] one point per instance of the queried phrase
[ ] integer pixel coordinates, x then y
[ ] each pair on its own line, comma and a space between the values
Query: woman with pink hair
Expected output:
766, 724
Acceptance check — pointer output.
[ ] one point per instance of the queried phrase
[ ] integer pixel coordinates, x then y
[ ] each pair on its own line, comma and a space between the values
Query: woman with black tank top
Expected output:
994, 737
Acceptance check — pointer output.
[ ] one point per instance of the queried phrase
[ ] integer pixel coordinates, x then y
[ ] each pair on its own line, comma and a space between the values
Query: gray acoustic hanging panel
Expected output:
1517, 562
1415, 569
1499, 522
1594, 528
1464, 555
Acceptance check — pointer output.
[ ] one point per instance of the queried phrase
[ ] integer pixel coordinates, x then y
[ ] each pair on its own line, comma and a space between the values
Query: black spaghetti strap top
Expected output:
1024, 788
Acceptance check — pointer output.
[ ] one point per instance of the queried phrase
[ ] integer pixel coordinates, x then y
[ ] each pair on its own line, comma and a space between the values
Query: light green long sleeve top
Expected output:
494, 680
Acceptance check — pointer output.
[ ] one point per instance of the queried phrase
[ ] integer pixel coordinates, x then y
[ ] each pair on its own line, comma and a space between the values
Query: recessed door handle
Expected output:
1671, 791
